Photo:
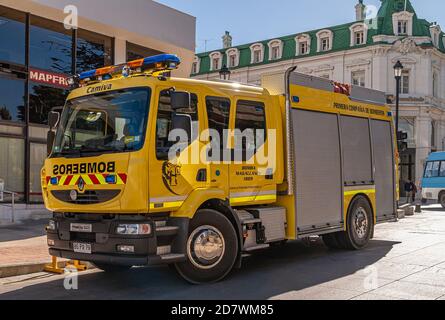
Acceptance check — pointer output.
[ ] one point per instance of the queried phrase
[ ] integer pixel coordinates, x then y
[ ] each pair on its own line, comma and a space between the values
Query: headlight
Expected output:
52, 225
134, 229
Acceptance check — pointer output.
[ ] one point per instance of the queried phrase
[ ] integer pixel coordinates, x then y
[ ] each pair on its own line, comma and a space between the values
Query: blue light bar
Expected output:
87, 74
168, 58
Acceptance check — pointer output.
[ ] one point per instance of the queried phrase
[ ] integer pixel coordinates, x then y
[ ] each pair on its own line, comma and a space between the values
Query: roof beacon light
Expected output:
151, 65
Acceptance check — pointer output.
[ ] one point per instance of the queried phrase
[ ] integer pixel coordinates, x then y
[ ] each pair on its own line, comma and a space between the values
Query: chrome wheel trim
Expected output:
361, 223
206, 247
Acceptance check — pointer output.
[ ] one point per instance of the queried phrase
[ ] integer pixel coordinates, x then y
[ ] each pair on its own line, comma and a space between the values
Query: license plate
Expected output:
81, 227
82, 248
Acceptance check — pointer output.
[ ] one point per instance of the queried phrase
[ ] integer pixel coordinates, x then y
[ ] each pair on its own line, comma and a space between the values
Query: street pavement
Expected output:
24, 243
405, 260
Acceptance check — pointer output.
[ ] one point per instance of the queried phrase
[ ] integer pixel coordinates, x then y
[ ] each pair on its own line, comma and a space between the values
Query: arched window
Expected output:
275, 49
195, 65
303, 44
232, 57
257, 53
215, 61
359, 34
325, 40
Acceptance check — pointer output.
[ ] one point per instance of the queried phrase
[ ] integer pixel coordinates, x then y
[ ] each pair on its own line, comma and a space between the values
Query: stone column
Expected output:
120, 51
423, 143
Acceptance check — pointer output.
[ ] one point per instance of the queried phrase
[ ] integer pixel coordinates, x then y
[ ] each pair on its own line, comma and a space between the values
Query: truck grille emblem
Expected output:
81, 184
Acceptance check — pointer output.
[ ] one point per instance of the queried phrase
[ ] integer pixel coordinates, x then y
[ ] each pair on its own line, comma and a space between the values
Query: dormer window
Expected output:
403, 23
325, 39
195, 66
232, 58
275, 49
359, 34
303, 44
435, 32
257, 53
215, 61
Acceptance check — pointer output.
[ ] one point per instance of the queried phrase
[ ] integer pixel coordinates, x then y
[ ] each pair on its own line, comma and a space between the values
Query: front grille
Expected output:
88, 197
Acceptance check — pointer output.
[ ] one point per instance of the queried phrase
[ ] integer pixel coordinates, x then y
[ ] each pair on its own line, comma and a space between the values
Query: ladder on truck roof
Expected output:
276, 84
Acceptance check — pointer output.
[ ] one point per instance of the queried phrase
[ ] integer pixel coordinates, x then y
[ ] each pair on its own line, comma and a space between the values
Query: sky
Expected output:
252, 20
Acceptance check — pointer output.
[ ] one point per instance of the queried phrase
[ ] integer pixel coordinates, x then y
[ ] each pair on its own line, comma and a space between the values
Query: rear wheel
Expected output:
212, 248
109, 268
442, 199
330, 240
360, 226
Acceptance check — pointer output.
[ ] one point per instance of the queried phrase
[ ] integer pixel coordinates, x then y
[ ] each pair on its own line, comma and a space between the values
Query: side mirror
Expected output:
180, 100
53, 119
183, 122
51, 136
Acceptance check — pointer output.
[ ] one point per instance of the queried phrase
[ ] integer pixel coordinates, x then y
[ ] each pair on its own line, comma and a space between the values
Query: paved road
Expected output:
406, 260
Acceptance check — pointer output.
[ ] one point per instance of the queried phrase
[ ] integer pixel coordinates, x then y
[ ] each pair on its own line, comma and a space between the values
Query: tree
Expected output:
5, 114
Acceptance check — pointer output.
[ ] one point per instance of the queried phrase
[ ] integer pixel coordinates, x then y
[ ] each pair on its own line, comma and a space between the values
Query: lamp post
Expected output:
398, 69
224, 73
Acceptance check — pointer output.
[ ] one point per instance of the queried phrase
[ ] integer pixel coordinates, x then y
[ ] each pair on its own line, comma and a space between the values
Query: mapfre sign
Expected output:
50, 78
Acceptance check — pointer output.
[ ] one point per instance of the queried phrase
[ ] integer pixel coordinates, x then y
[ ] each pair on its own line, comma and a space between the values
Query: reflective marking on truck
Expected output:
167, 202
243, 197
354, 192
90, 179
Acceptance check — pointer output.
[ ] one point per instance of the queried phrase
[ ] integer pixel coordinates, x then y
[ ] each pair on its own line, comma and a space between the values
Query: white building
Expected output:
363, 53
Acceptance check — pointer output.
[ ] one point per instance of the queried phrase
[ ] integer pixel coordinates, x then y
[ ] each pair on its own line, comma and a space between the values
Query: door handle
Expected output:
202, 175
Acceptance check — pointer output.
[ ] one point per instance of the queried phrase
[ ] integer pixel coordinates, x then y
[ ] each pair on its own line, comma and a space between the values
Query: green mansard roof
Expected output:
341, 38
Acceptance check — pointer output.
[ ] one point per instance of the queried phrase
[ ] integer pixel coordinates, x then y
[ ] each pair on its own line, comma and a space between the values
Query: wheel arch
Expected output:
368, 199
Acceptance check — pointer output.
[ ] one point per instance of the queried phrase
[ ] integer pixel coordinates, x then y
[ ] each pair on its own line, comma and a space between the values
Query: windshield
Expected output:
103, 123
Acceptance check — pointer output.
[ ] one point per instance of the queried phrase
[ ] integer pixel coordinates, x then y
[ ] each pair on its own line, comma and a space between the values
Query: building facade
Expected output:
362, 52
37, 54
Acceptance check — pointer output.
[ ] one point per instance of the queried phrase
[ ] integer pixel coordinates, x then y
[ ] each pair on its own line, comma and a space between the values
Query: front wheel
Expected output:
212, 248
360, 226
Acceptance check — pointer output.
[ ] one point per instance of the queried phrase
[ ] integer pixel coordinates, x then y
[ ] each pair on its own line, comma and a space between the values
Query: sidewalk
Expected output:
23, 248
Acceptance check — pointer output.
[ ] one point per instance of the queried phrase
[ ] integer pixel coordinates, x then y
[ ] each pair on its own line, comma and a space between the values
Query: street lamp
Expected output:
224, 73
398, 69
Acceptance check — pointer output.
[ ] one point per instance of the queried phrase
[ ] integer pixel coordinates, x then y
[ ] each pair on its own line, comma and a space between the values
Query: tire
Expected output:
360, 226
215, 263
442, 199
109, 268
330, 240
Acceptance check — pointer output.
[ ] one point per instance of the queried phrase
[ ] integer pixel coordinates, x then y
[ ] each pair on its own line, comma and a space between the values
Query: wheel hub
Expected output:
361, 222
206, 247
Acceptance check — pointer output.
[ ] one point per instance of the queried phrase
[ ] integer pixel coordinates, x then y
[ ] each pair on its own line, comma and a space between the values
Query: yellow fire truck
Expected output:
128, 190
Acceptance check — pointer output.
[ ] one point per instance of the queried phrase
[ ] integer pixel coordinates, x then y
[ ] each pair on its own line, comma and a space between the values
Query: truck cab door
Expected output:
251, 172
173, 178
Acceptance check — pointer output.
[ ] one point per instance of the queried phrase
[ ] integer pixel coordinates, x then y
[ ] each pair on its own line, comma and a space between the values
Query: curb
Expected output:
15, 270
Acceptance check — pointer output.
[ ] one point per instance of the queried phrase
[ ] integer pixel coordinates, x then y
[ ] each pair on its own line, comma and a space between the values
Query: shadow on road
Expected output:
264, 275
27, 230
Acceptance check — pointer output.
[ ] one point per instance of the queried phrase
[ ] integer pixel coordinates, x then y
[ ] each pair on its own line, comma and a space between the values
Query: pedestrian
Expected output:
413, 191
408, 189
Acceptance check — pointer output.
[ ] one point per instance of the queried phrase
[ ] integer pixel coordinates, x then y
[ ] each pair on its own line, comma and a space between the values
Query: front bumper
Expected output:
160, 247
